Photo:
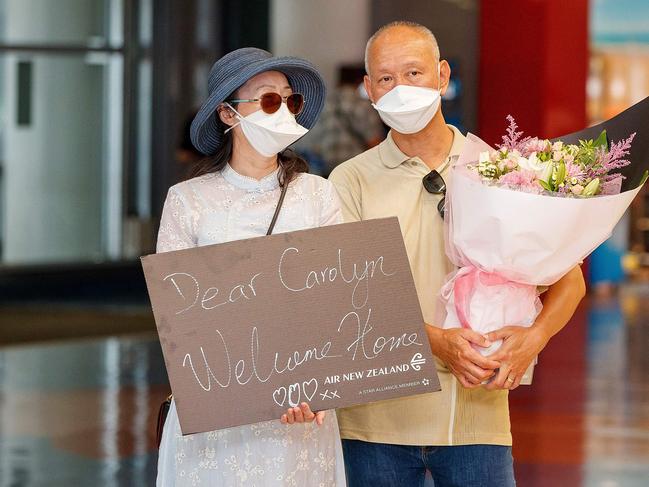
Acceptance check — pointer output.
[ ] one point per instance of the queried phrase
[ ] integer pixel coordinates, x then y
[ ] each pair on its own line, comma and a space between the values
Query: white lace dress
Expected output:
217, 208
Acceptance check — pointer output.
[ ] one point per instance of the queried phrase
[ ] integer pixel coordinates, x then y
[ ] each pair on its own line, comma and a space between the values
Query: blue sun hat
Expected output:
237, 67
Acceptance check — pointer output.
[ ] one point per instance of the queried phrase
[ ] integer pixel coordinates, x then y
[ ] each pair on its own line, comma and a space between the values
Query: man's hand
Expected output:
520, 345
454, 347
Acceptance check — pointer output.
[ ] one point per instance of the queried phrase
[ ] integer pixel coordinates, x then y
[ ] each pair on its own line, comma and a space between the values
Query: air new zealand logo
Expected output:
417, 361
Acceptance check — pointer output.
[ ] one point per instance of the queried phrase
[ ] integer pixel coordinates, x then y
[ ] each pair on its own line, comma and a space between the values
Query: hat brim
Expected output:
207, 132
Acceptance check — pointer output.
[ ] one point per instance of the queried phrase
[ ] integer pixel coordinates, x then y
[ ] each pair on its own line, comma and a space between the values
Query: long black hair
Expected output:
290, 163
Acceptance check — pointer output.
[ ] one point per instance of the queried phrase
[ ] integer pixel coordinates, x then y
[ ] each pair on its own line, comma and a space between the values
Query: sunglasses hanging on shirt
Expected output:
434, 183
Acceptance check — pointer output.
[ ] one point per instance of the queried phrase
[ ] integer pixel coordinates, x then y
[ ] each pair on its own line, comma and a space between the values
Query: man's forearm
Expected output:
560, 303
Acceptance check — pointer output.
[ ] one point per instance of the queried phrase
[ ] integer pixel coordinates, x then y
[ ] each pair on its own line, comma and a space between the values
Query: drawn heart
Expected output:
307, 383
292, 389
276, 394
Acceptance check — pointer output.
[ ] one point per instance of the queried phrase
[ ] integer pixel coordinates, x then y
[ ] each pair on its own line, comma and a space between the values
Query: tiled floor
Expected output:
82, 412
585, 420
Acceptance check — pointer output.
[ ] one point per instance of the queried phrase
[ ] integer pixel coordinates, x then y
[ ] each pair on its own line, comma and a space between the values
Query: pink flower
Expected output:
535, 145
510, 164
573, 170
577, 189
615, 158
522, 179
512, 140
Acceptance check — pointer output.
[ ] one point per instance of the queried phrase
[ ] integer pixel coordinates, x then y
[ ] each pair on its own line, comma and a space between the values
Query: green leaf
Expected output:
561, 173
644, 178
545, 185
601, 141
591, 188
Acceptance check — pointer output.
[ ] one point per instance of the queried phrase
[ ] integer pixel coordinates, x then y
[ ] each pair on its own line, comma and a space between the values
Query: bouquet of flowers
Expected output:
522, 215
536, 166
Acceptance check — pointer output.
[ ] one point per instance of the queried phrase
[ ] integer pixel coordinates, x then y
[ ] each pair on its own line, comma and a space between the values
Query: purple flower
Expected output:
615, 158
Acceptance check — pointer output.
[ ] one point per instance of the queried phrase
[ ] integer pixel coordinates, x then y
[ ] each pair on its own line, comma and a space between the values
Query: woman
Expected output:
257, 106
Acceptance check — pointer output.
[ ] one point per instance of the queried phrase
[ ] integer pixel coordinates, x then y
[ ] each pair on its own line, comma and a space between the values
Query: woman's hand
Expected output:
302, 414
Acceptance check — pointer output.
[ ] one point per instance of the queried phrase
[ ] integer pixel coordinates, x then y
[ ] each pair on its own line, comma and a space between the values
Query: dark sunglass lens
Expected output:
441, 207
434, 183
295, 103
270, 102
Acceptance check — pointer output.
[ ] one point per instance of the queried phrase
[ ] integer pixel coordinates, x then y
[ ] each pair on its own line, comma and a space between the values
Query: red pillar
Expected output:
533, 65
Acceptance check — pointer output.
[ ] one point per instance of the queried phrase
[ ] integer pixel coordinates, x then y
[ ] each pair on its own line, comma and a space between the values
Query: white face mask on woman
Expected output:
269, 134
408, 109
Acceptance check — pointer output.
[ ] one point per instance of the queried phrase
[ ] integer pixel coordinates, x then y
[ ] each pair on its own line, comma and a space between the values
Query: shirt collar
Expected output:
392, 157
267, 183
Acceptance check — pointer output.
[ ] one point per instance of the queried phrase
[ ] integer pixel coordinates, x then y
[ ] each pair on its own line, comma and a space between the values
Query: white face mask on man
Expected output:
408, 109
269, 134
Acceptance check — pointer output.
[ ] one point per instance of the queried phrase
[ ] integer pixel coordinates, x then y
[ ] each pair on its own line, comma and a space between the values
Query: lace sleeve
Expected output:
176, 225
330, 214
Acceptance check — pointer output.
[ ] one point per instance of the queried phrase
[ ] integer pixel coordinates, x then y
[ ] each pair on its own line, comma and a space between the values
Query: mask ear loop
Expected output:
439, 78
237, 114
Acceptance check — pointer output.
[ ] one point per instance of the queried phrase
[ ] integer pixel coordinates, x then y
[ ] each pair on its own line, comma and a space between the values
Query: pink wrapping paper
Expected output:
505, 243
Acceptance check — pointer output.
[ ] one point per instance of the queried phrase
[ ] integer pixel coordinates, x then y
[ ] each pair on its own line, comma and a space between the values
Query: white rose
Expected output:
483, 157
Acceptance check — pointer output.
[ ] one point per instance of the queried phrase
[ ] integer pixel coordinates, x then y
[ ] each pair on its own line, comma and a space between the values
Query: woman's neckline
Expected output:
267, 183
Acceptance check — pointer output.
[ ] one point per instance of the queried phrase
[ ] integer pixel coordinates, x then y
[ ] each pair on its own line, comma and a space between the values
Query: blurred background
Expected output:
95, 101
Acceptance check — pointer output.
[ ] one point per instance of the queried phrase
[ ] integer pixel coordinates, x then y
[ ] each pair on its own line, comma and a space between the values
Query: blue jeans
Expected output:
379, 465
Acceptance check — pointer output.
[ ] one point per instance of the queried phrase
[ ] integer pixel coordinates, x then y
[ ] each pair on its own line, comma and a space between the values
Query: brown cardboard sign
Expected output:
327, 316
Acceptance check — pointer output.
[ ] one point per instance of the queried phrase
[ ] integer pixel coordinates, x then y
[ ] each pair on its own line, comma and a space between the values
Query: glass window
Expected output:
91, 23
74, 127
61, 156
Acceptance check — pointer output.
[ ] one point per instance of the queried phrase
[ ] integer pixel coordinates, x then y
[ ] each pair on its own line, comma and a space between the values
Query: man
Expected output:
462, 434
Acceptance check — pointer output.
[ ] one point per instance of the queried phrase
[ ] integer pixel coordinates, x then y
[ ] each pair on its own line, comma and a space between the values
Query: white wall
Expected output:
326, 32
